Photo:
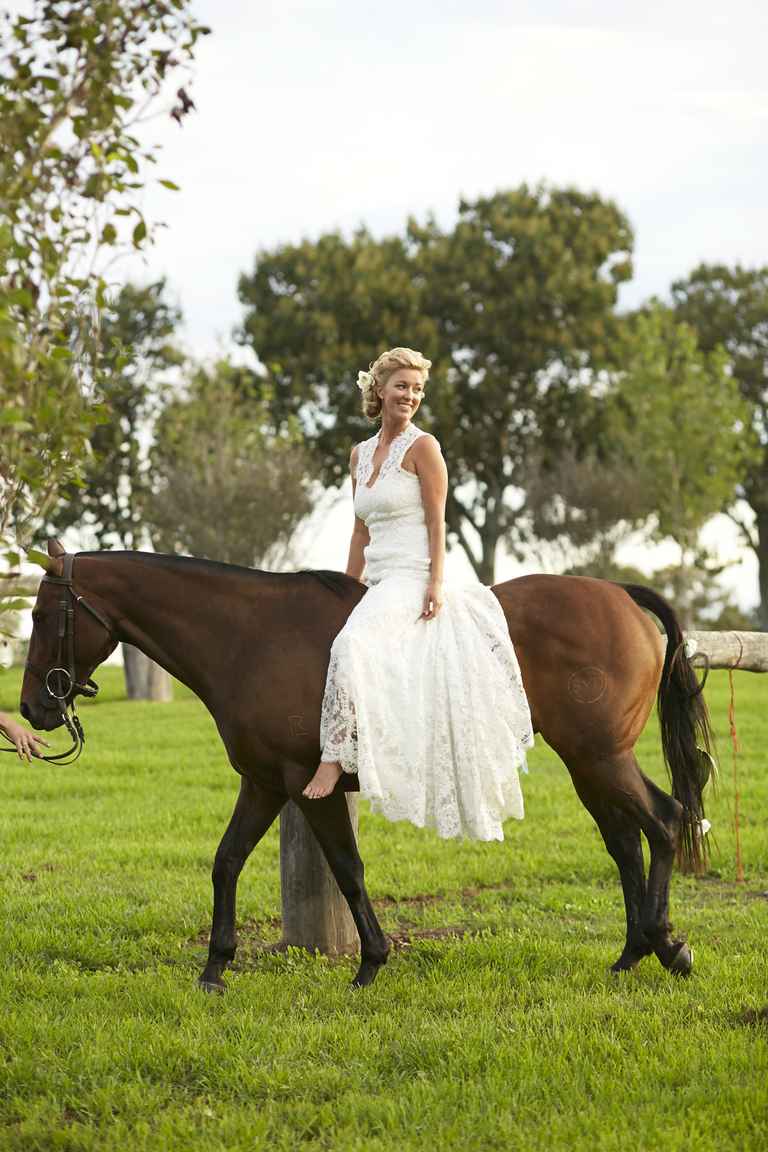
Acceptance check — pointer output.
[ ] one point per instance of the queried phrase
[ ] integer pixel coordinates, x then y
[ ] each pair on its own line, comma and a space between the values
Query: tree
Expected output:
582, 503
138, 342
137, 331
512, 305
76, 78
728, 307
316, 312
710, 604
665, 448
680, 423
227, 486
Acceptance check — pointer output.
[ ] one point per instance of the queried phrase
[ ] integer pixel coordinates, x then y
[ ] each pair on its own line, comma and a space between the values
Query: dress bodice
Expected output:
392, 510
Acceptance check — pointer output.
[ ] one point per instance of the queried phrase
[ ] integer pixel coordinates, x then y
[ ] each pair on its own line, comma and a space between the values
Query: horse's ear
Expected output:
55, 547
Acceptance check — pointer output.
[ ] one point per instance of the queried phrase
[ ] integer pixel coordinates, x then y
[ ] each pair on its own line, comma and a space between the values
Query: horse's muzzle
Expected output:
42, 717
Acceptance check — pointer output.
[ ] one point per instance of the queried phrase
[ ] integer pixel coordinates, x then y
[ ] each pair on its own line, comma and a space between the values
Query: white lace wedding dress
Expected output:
431, 714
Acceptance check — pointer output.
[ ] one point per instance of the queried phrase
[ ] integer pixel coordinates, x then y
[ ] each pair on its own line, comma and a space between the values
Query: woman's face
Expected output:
402, 393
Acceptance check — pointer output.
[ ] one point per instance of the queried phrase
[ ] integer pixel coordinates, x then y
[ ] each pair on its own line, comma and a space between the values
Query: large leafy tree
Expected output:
668, 446
728, 308
679, 422
523, 291
226, 486
513, 304
139, 347
76, 79
318, 311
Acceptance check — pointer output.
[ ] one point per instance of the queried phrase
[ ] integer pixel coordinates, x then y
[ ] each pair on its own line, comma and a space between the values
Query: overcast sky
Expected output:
316, 116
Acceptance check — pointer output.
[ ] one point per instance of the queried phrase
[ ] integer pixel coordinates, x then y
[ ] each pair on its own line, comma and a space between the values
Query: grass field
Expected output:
494, 1025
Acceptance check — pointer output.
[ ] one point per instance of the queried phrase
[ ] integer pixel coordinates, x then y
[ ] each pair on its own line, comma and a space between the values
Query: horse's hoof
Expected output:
632, 954
624, 964
683, 961
366, 974
630, 959
216, 985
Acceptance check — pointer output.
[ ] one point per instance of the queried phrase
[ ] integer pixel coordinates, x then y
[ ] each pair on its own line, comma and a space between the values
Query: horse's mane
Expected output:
336, 582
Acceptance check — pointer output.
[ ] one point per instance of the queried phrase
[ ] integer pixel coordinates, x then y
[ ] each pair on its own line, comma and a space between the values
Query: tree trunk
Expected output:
457, 519
144, 679
315, 914
486, 569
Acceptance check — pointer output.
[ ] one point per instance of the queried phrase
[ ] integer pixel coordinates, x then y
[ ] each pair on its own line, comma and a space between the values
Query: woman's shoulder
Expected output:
360, 445
426, 438
358, 453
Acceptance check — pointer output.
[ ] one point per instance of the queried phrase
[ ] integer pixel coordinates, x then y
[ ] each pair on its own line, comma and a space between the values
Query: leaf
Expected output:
14, 416
35, 556
139, 234
170, 184
14, 605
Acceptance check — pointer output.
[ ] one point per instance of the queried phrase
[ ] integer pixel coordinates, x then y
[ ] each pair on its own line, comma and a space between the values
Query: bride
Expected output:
423, 696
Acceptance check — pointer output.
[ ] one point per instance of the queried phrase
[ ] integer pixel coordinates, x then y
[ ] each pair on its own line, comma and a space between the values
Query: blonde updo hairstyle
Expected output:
381, 369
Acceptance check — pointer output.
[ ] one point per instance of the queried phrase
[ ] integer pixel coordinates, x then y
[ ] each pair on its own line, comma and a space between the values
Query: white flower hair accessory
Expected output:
364, 380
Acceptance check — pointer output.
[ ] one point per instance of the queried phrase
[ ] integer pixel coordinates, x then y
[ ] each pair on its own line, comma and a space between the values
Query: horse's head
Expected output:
70, 638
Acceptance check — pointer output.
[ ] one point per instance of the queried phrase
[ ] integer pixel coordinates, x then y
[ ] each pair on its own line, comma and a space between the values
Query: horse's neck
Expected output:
173, 615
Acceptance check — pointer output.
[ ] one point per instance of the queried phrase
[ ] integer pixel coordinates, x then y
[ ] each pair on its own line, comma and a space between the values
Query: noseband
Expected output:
60, 681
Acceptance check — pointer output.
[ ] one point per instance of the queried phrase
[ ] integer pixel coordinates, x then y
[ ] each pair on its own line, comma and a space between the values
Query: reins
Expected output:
60, 681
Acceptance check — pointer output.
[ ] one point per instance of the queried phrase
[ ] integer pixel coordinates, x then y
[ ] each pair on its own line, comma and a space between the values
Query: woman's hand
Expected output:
433, 600
25, 742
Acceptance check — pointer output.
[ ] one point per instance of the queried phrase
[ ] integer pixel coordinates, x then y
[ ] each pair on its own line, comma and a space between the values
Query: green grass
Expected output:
506, 1033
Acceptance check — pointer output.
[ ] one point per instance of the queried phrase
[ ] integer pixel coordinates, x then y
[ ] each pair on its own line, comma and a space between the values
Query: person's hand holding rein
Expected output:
25, 741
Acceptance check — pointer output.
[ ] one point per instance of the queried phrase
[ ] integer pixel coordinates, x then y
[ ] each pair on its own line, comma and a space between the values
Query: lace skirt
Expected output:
431, 714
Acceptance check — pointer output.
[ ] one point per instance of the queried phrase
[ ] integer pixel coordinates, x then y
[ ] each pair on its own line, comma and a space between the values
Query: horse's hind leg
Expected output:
330, 822
663, 837
621, 835
618, 782
255, 810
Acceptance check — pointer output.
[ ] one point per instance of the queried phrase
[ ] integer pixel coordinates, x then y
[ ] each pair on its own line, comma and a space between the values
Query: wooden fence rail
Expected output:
745, 651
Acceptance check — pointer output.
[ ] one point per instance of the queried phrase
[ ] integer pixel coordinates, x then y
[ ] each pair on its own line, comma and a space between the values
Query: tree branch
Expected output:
749, 537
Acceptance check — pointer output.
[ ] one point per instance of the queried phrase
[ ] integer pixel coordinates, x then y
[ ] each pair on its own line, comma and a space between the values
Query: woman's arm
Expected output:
360, 534
433, 475
25, 741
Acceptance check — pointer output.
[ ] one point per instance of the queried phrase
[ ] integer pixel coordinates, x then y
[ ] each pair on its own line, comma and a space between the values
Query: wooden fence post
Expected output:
144, 679
315, 914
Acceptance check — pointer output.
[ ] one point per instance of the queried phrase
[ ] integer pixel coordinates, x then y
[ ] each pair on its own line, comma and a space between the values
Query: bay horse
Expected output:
255, 647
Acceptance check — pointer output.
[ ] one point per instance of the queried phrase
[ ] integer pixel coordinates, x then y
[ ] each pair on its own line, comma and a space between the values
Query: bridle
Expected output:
60, 681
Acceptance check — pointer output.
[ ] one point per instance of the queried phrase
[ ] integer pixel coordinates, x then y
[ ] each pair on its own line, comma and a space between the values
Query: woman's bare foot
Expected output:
324, 780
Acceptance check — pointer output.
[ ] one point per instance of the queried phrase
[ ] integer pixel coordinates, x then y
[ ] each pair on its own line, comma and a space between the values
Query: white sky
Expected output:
314, 116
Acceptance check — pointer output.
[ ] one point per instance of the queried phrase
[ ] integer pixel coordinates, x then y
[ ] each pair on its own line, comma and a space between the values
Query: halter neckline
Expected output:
376, 437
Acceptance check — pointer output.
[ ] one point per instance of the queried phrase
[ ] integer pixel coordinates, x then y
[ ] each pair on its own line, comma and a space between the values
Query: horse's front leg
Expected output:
255, 810
330, 822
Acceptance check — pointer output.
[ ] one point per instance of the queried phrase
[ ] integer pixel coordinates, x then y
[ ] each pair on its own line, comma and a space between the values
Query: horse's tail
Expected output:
686, 734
